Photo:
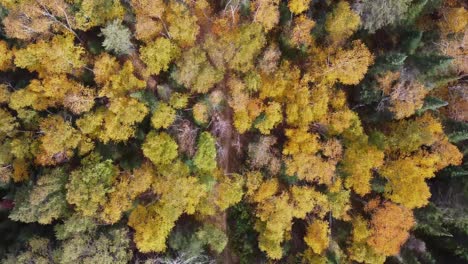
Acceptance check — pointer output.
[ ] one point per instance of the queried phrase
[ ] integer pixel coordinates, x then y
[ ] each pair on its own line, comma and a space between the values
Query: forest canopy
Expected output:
233, 131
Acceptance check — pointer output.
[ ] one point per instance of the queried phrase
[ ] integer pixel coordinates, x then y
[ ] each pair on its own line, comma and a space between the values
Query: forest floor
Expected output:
227, 140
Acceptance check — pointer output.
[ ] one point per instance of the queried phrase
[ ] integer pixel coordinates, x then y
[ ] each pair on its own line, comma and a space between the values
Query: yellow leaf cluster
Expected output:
317, 236
128, 187
298, 6
116, 123
6, 56
178, 193
116, 80
273, 115
342, 22
54, 91
265, 12
38, 57
163, 116
390, 226
158, 54
58, 141
358, 161
300, 35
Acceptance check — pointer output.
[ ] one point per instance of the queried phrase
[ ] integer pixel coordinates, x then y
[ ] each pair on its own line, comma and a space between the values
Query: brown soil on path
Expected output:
228, 158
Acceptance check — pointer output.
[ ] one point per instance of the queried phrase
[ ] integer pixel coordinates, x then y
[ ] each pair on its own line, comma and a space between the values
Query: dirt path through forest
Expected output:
226, 136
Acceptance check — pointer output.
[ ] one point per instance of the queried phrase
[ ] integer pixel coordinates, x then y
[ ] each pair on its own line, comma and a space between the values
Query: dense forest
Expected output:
233, 131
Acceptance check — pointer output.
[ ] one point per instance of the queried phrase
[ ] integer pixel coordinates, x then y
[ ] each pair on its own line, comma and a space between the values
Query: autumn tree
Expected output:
380, 13
6, 59
272, 117
35, 248
67, 57
317, 237
128, 186
349, 66
58, 141
298, 6
160, 148
43, 202
300, 35
342, 22
116, 80
179, 193
236, 49
406, 95
116, 123
205, 157
359, 161
390, 225
159, 54
54, 91
88, 185
453, 20
163, 116
408, 172
195, 72
266, 13
28, 19
262, 154
90, 13
360, 250
117, 38
212, 236
9, 124
275, 220
108, 245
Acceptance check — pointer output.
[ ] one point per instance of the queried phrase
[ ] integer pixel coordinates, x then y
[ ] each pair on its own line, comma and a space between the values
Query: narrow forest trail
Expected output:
226, 136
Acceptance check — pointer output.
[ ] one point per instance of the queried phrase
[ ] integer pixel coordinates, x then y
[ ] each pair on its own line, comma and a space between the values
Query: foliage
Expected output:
163, 116
347, 66
158, 55
54, 92
91, 13
58, 141
380, 13
205, 157
89, 185
116, 81
160, 148
317, 236
113, 123
195, 72
298, 6
300, 35
389, 228
128, 187
117, 38
272, 116
342, 22
37, 57
179, 193
358, 161
6, 57
106, 247
406, 95
36, 248
213, 237
44, 202
249, 131
266, 13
